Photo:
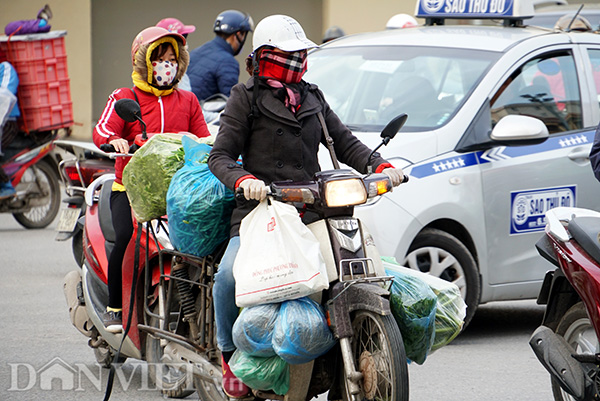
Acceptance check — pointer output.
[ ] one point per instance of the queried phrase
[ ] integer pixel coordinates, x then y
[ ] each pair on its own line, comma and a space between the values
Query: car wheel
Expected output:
440, 254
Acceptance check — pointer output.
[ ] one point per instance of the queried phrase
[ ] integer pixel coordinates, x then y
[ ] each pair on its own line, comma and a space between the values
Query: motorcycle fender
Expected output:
555, 354
346, 299
559, 295
72, 288
544, 294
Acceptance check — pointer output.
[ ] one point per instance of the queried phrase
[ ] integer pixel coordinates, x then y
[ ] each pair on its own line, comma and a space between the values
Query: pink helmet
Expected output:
150, 35
174, 25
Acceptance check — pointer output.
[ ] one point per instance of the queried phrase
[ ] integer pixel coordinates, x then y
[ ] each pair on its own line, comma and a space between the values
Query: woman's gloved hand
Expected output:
254, 189
396, 175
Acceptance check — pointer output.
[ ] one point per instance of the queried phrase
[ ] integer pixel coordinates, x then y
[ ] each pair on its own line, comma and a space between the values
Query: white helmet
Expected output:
282, 32
401, 21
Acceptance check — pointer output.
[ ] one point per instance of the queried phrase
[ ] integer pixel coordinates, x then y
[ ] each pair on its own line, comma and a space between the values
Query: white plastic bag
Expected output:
279, 257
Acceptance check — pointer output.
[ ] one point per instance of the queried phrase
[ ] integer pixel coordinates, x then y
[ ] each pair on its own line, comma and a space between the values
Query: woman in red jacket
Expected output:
159, 59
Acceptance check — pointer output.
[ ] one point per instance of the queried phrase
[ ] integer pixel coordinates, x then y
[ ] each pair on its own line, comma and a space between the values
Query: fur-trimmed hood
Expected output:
141, 68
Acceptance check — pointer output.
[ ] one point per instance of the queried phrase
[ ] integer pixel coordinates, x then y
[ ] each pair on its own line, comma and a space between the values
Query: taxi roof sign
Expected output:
435, 11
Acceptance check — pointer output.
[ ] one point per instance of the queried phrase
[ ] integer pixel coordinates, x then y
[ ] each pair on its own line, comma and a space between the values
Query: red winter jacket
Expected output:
174, 113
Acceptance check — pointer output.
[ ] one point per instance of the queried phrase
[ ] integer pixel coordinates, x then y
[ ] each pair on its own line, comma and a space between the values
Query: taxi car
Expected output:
500, 124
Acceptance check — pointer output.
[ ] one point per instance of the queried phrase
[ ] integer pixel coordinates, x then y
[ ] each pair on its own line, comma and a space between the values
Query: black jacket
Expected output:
278, 145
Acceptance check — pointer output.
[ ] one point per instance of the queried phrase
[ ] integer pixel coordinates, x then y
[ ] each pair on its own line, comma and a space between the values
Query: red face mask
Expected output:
283, 67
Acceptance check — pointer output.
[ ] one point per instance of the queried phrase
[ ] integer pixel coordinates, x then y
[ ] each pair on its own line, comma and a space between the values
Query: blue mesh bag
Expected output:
199, 206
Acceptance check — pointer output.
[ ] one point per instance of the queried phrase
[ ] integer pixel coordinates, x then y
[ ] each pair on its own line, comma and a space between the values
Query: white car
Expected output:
480, 179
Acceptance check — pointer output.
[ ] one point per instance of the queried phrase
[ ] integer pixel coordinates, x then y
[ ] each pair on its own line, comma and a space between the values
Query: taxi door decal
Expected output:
500, 153
528, 208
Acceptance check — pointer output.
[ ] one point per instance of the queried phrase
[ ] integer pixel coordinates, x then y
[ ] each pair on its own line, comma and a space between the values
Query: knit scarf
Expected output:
281, 69
287, 68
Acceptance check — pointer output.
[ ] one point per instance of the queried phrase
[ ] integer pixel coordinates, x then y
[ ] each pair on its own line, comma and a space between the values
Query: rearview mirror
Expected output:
128, 109
392, 128
390, 131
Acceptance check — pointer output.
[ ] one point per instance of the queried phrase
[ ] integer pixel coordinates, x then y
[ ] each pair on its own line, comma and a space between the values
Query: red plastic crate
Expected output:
39, 71
38, 47
45, 118
45, 94
38, 57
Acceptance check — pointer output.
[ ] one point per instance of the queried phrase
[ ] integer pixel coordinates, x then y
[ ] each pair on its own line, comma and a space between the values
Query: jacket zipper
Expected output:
162, 115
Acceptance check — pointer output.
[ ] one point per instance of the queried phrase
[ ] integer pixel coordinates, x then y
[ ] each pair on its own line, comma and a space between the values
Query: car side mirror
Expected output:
519, 128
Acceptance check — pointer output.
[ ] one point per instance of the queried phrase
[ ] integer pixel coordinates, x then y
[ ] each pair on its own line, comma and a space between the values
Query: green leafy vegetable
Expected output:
413, 305
148, 174
450, 307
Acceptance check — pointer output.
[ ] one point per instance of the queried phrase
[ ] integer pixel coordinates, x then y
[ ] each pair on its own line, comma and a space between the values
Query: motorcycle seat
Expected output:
586, 230
105, 214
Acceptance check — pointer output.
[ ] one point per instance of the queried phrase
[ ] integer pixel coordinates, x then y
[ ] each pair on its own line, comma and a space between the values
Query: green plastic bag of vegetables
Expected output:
148, 174
260, 373
199, 206
450, 306
413, 305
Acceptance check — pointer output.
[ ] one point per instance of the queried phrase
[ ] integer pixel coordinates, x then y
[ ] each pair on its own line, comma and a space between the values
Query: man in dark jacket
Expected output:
213, 68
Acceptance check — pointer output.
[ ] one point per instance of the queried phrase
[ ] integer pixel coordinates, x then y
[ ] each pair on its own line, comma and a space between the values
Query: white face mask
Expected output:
164, 72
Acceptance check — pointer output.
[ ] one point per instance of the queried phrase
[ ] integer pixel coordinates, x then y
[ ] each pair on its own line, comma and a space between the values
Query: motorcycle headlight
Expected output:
347, 192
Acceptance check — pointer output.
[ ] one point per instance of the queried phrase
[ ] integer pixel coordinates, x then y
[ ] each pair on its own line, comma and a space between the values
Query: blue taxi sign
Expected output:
478, 9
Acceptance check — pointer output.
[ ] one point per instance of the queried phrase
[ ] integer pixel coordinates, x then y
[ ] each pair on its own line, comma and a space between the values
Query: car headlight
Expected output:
347, 192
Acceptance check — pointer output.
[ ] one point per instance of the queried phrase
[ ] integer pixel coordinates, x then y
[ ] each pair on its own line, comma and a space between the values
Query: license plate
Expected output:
67, 220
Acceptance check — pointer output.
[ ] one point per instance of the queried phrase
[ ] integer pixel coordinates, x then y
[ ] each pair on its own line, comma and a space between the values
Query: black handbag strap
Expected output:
135, 95
329, 141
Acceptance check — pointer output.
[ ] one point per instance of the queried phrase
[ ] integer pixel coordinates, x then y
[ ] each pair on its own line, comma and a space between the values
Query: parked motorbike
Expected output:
567, 343
80, 164
32, 170
169, 310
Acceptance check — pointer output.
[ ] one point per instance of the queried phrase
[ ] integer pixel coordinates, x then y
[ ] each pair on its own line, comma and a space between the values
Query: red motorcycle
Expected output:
168, 314
29, 163
567, 343
81, 163
145, 265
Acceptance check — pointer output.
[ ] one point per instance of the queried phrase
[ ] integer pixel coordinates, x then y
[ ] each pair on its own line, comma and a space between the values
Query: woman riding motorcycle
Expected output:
272, 122
159, 59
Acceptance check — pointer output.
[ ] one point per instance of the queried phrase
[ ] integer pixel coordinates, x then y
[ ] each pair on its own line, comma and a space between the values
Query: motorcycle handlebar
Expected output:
108, 148
239, 192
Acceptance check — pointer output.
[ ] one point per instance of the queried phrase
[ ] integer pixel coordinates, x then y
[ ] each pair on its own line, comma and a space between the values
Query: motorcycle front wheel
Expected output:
576, 328
40, 181
379, 355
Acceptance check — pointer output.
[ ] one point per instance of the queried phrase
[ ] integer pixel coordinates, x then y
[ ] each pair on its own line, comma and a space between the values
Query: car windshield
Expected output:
368, 86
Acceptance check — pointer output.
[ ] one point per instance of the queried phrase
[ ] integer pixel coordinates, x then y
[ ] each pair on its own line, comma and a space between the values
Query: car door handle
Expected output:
580, 155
